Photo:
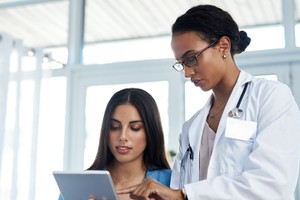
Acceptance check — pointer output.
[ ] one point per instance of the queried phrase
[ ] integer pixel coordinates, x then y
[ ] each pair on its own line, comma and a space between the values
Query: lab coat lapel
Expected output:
232, 101
195, 135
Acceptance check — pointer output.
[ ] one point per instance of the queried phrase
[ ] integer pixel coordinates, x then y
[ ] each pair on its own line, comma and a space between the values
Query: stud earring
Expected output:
224, 56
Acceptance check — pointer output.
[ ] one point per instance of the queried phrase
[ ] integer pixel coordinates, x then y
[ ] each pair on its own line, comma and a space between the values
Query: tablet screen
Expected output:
80, 185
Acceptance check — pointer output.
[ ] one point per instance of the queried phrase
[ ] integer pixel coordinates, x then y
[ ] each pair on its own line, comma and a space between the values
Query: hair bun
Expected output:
243, 35
243, 42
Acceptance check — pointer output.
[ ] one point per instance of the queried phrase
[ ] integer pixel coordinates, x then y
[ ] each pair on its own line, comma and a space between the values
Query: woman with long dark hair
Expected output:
131, 145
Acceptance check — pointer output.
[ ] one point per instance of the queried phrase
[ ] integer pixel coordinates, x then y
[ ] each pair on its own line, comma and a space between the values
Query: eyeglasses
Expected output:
192, 60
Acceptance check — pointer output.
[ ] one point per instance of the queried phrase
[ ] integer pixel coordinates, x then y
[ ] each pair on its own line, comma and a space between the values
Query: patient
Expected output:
131, 143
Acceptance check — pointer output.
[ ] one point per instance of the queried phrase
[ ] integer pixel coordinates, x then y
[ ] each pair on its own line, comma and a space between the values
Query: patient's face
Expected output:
127, 136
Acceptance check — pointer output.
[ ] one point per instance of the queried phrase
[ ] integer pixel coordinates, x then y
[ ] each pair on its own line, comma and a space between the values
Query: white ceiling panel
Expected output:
45, 24
38, 25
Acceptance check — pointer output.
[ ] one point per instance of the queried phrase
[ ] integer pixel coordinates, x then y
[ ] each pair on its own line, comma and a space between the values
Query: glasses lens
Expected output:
190, 61
178, 66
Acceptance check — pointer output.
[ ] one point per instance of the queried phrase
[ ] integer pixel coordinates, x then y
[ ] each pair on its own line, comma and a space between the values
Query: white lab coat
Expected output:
263, 167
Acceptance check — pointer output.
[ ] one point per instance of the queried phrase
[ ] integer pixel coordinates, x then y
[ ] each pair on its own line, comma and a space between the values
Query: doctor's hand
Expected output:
150, 189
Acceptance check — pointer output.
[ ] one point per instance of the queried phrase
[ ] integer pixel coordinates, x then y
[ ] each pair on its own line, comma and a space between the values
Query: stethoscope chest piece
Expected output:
236, 113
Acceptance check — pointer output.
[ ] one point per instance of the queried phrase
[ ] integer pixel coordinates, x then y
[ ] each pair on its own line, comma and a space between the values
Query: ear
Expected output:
225, 45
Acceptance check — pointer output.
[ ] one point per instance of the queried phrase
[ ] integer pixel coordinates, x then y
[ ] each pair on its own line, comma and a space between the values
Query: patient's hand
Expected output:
151, 189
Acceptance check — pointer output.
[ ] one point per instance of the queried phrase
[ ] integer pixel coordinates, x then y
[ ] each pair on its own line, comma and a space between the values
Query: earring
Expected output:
224, 56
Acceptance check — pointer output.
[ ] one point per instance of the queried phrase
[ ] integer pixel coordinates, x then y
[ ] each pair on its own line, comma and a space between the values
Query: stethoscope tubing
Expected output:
242, 96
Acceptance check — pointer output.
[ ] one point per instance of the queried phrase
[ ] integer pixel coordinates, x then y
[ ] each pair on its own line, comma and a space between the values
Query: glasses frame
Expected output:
195, 58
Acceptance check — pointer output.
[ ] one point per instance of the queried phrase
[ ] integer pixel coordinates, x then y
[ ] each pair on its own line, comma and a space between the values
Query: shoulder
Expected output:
162, 175
159, 173
262, 85
269, 89
272, 100
265, 84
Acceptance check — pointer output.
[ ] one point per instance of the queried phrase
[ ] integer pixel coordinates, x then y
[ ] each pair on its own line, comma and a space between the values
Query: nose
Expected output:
123, 136
188, 71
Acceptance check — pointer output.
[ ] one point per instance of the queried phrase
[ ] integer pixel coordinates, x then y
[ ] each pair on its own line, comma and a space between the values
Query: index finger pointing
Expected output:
126, 190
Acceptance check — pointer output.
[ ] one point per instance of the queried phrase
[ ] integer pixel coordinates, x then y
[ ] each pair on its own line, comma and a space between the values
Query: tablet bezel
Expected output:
81, 184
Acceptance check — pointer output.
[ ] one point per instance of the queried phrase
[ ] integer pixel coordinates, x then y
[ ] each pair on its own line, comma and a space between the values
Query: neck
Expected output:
126, 173
223, 90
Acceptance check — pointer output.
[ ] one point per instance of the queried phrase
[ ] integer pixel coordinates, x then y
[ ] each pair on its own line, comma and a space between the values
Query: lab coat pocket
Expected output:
237, 145
240, 129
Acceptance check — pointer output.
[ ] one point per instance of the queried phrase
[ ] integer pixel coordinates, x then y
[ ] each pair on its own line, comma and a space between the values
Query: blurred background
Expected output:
61, 61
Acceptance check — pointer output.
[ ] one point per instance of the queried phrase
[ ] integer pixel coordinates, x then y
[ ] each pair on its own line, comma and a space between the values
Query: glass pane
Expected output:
195, 98
8, 148
298, 35
50, 144
297, 10
96, 99
272, 77
29, 62
129, 50
262, 38
25, 139
14, 58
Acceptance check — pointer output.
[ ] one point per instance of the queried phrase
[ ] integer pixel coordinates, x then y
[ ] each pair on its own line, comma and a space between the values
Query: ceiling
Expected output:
45, 23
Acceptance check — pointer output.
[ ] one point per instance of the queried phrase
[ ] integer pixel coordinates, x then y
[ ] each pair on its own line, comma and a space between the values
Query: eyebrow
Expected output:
131, 122
185, 54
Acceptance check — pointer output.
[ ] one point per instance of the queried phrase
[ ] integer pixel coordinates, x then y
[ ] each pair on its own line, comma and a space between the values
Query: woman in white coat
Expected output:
244, 143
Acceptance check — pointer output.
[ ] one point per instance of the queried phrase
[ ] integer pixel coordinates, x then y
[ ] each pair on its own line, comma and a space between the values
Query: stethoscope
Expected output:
236, 113
189, 155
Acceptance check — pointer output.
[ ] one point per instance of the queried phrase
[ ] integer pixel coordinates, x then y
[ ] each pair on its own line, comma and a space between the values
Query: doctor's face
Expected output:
206, 68
127, 136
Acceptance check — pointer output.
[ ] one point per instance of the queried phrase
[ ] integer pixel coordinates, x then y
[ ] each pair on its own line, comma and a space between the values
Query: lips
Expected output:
123, 149
196, 82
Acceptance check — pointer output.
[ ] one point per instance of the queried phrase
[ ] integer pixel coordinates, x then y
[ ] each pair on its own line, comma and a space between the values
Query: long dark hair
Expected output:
154, 154
212, 23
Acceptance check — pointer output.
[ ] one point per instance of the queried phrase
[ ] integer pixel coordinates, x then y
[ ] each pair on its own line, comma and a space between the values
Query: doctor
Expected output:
244, 143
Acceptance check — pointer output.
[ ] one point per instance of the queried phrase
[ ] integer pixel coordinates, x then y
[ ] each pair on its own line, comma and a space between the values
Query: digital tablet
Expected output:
79, 185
